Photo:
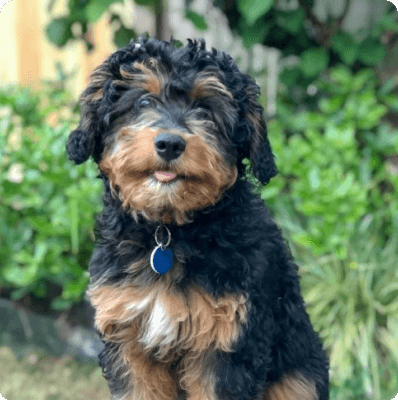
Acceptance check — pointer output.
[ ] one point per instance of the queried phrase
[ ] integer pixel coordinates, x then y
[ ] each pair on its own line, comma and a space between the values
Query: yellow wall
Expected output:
26, 54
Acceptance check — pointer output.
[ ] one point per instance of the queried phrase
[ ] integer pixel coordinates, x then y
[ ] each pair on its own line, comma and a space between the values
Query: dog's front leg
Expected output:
216, 376
198, 377
150, 380
131, 375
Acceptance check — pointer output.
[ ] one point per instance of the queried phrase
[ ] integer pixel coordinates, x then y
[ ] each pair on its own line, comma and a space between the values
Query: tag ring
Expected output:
158, 242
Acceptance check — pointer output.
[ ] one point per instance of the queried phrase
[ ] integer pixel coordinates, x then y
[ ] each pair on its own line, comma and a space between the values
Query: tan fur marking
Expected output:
292, 388
195, 320
170, 323
207, 85
120, 316
98, 95
153, 86
131, 162
197, 380
151, 380
215, 323
96, 80
150, 79
116, 306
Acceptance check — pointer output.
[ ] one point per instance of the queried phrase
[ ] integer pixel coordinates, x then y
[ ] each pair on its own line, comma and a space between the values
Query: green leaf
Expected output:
345, 46
269, 192
373, 116
96, 8
291, 76
388, 86
123, 36
291, 21
313, 61
59, 31
314, 178
365, 171
332, 104
371, 52
252, 10
61, 304
307, 240
392, 102
21, 276
362, 79
256, 33
147, 2
342, 76
345, 186
389, 22
75, 289
74, 225
19, 293
197, 19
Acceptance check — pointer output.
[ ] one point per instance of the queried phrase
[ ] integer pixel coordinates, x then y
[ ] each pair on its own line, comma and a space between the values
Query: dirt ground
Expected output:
41, 377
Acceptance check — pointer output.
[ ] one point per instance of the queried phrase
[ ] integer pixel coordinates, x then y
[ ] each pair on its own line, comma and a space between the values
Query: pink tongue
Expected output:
164, 176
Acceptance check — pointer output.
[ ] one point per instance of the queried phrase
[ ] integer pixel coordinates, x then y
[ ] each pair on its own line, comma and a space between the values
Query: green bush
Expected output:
353, 303
334, 162
47, 207
336, 200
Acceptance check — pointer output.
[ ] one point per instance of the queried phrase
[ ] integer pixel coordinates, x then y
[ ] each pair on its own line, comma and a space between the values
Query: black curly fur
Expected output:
231, 247
186, 62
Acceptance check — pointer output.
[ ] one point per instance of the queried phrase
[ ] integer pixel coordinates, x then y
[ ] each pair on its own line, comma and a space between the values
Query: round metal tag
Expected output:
161, 260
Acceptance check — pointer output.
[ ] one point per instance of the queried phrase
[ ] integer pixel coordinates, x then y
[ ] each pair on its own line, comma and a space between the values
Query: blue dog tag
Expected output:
161, 260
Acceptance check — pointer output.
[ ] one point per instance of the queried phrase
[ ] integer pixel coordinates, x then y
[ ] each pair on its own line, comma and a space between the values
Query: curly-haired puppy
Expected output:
195, 292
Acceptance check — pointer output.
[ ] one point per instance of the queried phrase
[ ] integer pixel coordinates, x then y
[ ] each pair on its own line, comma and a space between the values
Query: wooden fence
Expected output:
26, 54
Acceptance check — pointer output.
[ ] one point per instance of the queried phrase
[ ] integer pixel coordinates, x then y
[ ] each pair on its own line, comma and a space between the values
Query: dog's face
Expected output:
169, 128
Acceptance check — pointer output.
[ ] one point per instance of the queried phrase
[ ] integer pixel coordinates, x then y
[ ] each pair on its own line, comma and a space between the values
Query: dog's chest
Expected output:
162, 320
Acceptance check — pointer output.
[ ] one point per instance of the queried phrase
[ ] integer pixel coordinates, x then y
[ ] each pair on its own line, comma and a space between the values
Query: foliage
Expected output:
295, 29
76, 24
336, 200
46, 207
353, 303
336, 194
334, 160
82, 14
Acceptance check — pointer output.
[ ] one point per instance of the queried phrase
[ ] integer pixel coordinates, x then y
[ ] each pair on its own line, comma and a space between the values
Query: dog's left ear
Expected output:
260, 154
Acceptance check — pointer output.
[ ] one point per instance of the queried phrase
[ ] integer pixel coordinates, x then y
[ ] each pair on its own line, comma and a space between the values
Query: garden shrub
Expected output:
336, 200
353, 303
334, 162
47, 207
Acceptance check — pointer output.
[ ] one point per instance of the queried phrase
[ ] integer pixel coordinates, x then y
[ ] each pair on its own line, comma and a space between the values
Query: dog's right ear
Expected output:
83, 141
80, 146
105, 82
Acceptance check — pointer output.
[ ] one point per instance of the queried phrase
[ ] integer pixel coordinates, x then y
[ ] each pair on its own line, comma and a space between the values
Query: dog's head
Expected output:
169, 127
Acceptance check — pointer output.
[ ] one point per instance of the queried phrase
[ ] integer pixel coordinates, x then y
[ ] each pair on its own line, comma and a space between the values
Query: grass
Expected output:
42, 377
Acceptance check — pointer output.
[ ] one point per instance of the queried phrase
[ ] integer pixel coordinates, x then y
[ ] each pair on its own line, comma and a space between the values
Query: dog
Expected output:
196, 294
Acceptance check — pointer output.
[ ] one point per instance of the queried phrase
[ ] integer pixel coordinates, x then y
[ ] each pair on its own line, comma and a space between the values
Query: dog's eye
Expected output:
146, 102
203, 113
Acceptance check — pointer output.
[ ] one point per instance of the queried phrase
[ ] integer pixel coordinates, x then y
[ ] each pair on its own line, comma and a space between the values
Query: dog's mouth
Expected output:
165, 176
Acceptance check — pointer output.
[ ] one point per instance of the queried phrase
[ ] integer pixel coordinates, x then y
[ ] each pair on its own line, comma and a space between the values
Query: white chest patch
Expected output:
169, 321
159, 330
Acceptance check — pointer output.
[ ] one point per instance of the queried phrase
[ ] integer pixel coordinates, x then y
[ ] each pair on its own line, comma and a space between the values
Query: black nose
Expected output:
169, 146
